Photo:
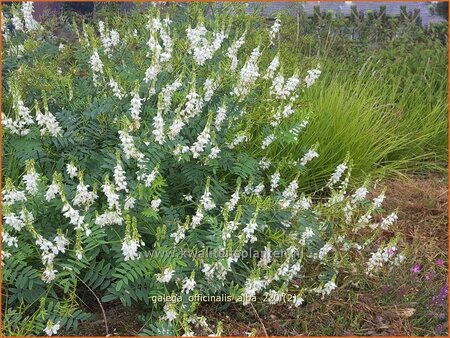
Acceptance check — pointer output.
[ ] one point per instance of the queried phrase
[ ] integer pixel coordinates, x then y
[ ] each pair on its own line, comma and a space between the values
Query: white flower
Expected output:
158, 131
155, 204
197, 218
119, 178
129, 248
16, 20
165, 276
135, 109
248, 75
48, 124
360, 194
201, 49
210, 86
74, 215
148, 178
111, 196
308, 233
312, 76
378, 201
234, 200
202, 140
129, 203
117, 91
302, 204
381, 256
175, 127
168, 90
109, 39
336, 176
115, 38
26, 216
5, 255
277, 86
388, 221
228, 228
311, 154
233, 50
128, 146
237, 140
61, 243
258, 189
214, 153
49, 275
193, 106
267, 141
248, 188
274, 181
151, 73
206, 200
188, 285
71, 170
291, 84
109, 218
328, 287
264, 163
297, 301
249, 231
13, 221
274, 30
283, 90
170, 313
52, 191
9, 240
12, 196
27, 11
83, 196
272, 68
289, 194
220, 117
208, 270
21, 125
52, 328
31, 182
96, 66
325, 250
178, 235
253, 286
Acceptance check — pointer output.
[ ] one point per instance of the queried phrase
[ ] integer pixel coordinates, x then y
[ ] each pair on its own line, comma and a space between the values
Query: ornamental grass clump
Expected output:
133, 169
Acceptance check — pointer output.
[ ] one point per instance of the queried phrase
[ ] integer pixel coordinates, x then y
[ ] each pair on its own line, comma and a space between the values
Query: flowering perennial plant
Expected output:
132, 164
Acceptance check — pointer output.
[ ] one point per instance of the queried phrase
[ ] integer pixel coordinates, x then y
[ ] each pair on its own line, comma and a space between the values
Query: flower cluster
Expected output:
248, 74
109, 39
202, 49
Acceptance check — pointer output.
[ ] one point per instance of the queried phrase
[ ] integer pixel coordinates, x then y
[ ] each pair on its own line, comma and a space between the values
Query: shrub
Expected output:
134, 168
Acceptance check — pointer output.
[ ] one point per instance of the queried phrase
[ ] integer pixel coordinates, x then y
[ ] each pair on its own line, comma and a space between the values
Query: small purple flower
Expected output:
442, 295
439, 262
439, 328
415, 268
391, 252
430, 276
